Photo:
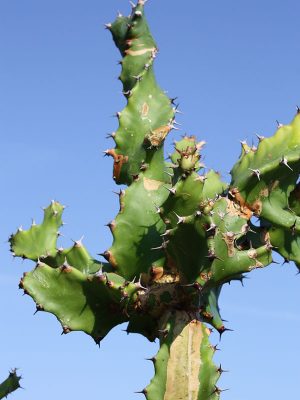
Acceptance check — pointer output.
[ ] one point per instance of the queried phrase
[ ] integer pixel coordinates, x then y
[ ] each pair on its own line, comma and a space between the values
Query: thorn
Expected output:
260, 138
137, 77
106, 153
66, 330
39, 263
99, 274
275, 262
171, 190
168, 233
279, 125
283, 161
66, 267
106, 255
212, 255
144, 166
163, 332
119, 15
176, 110
176, 123
297, 109
158, 209
144, 392
181, 220
214, 348
98, 340
174, 127
111, 225
169, 174
109, 136
132, 4
269, 246
139, 285
20, 229
138, 13
78, 243
152, 359
255, 172
221, 370
120, 193
293, 228
108, 26
173, 101
222, 330
38, 308
212, 228
127, 93
218, 391
164, 245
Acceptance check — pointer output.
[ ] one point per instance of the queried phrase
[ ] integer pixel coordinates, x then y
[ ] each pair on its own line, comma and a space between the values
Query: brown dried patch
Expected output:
158, 135
151, 184
156, 273
119, 160
206, 276
145, 110
228, 237
135, 53
236, 210
257, 207
265, 236
246, 208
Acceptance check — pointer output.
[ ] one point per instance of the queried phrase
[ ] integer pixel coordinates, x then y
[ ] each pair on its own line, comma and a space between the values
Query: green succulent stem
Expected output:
183, 366
11, 383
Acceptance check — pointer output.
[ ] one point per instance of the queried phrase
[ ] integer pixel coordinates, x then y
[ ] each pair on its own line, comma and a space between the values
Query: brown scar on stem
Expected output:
156, 136
151, 184
119, 160
246, 208
265, 236
229, 240
236, 210
145, 110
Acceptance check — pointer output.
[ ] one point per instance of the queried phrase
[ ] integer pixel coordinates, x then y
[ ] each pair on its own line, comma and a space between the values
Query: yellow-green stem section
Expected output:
183, 366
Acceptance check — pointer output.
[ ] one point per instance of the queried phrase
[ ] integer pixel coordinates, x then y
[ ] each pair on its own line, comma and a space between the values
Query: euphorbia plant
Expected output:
180, 234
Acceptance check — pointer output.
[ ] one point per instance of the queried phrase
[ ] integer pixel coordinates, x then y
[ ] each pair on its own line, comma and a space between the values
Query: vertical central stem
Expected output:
184, 369
184, 363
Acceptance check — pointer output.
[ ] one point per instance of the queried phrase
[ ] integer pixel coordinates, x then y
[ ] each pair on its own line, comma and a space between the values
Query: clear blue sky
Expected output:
235, 67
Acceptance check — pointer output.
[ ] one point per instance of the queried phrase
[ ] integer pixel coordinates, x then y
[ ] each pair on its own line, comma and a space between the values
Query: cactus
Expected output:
11, 383
180, 235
